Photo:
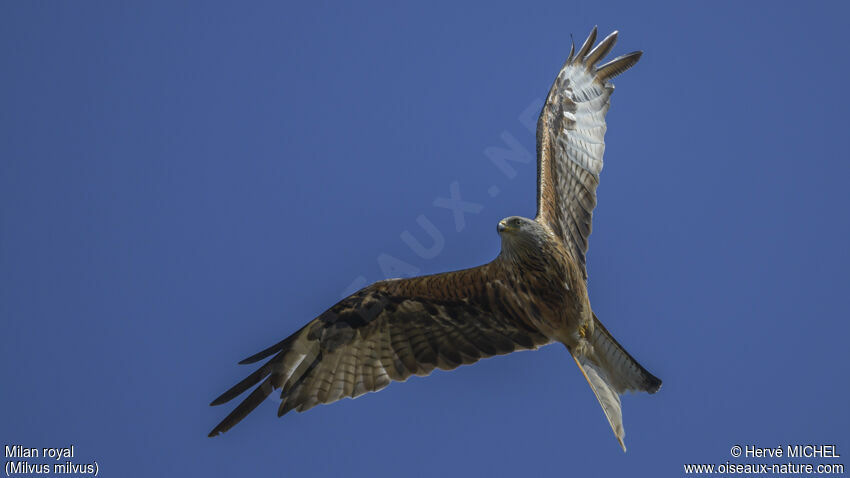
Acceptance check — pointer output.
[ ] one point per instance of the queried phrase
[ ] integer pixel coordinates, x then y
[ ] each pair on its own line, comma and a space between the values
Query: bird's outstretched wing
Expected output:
387, 331
571, 141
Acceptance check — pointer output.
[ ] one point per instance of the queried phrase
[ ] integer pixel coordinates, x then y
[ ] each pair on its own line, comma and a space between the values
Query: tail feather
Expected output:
625, 372
611, 371
605, 393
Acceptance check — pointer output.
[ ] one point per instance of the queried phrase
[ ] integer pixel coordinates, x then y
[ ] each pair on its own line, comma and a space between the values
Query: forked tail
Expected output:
611, 371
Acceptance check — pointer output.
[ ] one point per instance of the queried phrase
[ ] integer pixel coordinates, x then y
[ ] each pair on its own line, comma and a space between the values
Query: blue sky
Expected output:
182, 185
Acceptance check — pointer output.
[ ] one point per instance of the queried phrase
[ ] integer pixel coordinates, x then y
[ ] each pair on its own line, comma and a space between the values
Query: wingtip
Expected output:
585, 47
618, 65
218, 430
601, 50
269, 351
243, 409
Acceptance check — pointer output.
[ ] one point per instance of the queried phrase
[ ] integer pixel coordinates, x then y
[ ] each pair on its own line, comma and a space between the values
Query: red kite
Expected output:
534, 293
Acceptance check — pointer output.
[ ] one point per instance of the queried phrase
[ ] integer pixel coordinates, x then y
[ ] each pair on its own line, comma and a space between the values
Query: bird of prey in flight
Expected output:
534, 293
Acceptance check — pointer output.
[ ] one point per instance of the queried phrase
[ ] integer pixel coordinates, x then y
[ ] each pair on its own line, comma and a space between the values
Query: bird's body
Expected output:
534, 293
540, 272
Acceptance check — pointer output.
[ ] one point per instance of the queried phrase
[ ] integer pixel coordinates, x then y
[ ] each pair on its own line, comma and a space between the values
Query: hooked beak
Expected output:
501, 227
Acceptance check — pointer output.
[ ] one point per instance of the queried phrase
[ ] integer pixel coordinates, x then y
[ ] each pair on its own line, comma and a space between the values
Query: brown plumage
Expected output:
532, 294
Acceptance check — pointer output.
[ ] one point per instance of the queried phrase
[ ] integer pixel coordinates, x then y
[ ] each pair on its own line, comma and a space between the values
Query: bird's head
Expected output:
514, 225
520, 233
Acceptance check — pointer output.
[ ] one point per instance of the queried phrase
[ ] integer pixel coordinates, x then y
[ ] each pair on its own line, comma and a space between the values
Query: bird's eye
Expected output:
516, 222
